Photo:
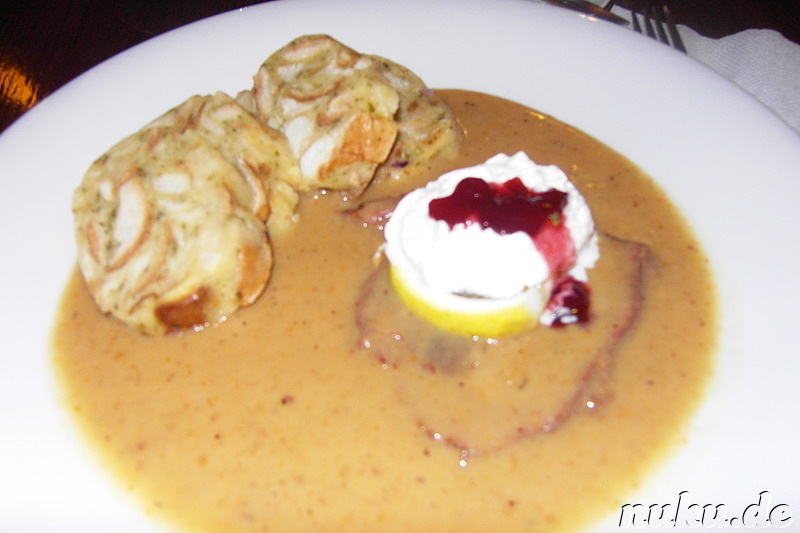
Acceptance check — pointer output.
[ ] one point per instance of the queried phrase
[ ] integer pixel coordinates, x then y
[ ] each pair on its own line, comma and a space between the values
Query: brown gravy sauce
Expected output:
275, 420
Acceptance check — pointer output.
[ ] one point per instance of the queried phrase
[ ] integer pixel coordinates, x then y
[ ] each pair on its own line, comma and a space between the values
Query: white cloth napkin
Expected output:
762, 62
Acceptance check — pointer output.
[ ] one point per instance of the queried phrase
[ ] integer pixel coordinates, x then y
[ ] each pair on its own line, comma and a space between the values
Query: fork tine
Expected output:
659, 24
635, 20
648, 24
654, 21
672, 28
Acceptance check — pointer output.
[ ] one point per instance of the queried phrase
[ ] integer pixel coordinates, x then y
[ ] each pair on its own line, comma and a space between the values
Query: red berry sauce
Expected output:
569, 303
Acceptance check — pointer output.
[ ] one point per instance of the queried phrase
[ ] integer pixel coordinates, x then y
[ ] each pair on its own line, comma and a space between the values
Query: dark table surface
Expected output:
46, 43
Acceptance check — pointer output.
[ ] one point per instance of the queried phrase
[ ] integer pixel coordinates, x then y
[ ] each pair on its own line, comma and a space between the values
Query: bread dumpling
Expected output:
335, 108
171, 223
348, 116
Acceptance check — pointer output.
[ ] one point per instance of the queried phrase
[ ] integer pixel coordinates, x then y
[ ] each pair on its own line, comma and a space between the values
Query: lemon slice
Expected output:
471, 316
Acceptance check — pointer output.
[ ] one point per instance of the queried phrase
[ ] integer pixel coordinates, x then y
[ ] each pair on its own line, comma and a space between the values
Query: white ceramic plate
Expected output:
730, 165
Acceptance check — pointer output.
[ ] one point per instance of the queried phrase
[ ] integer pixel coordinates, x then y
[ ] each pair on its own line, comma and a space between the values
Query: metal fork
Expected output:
655, 21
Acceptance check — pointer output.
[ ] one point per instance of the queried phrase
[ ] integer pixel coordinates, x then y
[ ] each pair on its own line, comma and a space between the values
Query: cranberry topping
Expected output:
569, 302
510, 207
505, 207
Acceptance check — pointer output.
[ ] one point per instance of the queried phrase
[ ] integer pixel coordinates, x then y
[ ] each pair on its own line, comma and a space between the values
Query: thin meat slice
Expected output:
482, 394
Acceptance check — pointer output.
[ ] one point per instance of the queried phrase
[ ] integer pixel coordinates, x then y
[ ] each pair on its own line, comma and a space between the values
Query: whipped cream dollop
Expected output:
455, 263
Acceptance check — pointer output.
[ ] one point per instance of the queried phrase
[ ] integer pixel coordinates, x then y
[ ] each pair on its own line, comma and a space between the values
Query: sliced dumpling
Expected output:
344, 113
171, 221
261, 154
